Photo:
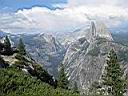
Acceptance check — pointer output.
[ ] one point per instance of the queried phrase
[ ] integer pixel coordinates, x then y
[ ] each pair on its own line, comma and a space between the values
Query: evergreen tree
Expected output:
113, 77
75, 87
7, 43
21, 60
21, 47
62, 80
7, 46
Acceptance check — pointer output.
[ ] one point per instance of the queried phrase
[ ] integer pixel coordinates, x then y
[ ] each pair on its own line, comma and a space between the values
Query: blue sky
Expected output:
20, 4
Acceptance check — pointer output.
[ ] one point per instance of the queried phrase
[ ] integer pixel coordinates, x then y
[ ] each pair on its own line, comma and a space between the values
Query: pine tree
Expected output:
62, 80
113, 76
22, 61
21, 47
75, 87
7, 45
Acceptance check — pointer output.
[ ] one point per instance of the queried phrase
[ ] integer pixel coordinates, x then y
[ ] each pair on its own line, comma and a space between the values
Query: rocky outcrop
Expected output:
86, 57
98, 30
90, 32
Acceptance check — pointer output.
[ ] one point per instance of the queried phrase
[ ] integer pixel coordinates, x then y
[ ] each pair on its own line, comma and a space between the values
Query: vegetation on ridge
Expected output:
24, 78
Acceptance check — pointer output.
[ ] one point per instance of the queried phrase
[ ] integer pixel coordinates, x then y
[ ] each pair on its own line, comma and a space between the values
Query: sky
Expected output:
20, 4
52, 16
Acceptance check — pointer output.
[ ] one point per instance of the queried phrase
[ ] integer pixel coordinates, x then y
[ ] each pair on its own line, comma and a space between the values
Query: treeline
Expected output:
26, 78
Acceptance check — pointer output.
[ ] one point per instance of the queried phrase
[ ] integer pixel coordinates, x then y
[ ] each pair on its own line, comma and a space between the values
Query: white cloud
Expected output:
59, 5
74, 15
120, 3
45, 20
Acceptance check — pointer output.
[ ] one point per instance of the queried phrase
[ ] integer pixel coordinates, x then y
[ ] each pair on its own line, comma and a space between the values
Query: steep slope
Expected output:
67, 38
24, 62
15, 83
20, 75
45, 49
86, 57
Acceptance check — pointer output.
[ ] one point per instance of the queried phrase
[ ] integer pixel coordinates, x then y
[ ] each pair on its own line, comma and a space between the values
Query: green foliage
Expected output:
62, 92
19, 64
7, 43
21, 61
113, 76
21, 47
21, 58
14, 82
63, 80
7, 46
43, 75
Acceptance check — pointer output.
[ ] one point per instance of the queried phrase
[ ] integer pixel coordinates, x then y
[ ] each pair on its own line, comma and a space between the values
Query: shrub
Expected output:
15, 83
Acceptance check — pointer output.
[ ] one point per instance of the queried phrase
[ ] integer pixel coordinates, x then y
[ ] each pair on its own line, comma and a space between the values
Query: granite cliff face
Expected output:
86, 57
97, 30
90, 32
44, 49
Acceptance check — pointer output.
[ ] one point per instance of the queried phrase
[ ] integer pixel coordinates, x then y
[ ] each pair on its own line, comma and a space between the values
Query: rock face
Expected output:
98, 30
45, 50
69, 37
90, 32
85, 58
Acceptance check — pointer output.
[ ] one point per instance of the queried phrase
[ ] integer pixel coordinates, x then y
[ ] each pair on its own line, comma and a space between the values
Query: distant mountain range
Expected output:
2, 34
44, 49
83, 52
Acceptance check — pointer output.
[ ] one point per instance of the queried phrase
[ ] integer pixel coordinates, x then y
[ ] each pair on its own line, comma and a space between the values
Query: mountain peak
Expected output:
98, 30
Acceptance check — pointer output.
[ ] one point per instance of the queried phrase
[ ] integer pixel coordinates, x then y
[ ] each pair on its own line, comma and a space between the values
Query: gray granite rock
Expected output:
85, 61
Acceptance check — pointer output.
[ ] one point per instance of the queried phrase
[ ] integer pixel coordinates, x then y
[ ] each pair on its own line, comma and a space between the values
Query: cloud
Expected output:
42, 19
120, 3
72, 16
59, 5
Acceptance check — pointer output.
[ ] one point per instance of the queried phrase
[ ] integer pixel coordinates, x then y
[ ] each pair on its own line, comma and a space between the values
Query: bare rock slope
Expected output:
86, 57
